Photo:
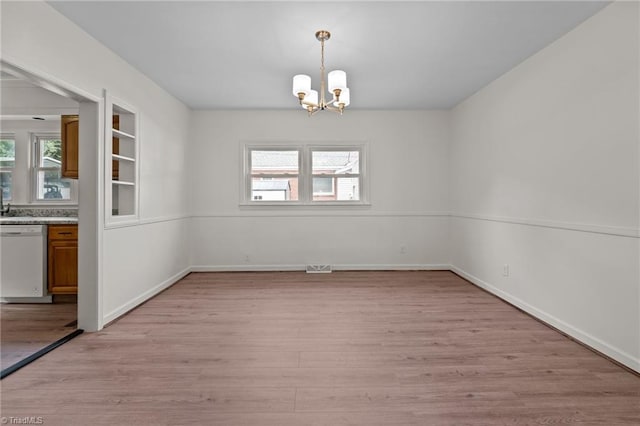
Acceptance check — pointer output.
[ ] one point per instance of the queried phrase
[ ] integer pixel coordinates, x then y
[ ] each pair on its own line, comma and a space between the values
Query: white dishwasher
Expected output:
22, 261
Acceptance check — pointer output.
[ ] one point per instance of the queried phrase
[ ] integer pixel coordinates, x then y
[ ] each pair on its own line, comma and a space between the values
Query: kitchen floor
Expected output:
26, 328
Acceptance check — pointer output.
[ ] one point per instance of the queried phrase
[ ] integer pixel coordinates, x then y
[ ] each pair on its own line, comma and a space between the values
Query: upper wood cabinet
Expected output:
69, 136
70, 146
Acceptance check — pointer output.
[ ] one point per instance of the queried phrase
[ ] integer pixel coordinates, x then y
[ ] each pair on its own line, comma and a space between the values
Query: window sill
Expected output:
284, 205
44, 204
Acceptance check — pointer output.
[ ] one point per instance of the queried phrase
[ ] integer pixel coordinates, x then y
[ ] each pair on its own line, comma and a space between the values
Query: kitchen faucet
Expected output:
3, 211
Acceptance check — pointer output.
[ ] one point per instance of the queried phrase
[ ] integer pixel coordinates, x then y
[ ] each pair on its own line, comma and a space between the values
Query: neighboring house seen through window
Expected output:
49, 183
336, 175
304, 175
7, 164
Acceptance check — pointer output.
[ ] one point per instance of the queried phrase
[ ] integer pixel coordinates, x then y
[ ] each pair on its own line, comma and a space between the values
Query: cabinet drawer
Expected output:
63, 232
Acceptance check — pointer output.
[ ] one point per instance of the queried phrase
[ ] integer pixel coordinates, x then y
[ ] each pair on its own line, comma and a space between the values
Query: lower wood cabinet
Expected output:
62, 251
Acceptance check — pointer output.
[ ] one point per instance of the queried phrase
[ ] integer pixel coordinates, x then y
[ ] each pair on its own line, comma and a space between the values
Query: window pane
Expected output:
323, 185
51, 186
335, 162
276, 189
5, 183
7, 153
50, 152
274, 162
346, 189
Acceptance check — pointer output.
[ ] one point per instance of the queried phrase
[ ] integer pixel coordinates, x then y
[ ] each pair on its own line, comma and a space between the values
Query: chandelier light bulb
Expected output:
312, 97
337, 81
301, 84
345, 98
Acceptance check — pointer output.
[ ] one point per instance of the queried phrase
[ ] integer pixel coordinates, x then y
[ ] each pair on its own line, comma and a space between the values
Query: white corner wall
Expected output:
408, 158
545, 178
139, 260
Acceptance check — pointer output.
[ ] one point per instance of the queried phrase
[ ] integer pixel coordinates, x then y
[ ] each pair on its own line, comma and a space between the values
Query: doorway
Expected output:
31, 327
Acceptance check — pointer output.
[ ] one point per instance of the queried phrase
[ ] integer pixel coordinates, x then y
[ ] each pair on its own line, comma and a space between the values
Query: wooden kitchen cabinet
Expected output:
69, 128
69, 125
62, 252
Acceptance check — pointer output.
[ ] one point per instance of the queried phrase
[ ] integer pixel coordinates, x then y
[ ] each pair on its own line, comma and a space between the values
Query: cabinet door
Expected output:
69, 135
69, 130
63, 267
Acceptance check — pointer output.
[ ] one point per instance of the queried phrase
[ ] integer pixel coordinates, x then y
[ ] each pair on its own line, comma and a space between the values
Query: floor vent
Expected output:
318, 269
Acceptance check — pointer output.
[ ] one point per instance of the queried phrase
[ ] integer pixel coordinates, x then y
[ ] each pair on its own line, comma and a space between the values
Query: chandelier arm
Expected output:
309, 104
334, 109
334, 99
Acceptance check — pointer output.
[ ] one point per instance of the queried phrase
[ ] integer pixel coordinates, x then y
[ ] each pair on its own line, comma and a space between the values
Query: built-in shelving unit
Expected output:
121, 167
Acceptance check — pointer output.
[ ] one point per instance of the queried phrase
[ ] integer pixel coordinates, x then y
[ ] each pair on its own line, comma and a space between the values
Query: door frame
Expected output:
90, 188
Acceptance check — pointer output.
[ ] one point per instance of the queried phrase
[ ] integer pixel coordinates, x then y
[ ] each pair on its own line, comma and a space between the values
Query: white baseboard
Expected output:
45, 299
123, 309
246, 268
345, 267
589, 340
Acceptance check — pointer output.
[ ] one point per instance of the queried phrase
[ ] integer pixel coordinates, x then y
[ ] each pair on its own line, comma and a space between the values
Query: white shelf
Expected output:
123, 183
123, 158
122, 135
122, 165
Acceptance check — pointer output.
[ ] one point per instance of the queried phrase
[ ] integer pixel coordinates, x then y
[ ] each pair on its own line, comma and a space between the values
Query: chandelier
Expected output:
337, 85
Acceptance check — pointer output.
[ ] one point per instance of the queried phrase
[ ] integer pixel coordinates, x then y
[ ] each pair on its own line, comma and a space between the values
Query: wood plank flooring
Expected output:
347, 348
25, 328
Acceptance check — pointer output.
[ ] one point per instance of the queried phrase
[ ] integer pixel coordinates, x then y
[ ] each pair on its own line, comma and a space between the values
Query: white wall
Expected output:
23, 98
545, 178
408, 152
38, 38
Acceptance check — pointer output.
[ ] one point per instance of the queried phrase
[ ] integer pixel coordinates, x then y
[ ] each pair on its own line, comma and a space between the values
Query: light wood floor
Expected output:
25, 328
348, 348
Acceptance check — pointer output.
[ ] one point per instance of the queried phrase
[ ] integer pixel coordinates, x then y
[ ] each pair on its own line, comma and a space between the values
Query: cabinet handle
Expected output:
64, 233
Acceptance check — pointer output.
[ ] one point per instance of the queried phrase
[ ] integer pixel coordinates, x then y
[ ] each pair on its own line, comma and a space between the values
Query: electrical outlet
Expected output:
247, 259
505, 270
403, 249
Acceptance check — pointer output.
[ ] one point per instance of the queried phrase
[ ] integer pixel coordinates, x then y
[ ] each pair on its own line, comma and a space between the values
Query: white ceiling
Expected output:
397, 55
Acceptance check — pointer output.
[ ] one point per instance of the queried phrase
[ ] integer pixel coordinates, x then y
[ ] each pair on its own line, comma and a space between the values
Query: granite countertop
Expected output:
36, 220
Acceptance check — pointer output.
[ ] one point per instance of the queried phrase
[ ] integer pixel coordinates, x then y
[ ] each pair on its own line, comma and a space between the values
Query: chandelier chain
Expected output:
323, 103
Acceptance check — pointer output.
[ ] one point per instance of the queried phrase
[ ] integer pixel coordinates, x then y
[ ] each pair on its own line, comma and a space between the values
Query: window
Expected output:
274, 174
336, 175
50, 186
303, 175
7, 164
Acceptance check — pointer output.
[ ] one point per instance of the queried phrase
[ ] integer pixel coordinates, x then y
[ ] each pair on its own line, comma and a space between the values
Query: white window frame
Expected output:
305, 174
11, 170
35, 168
